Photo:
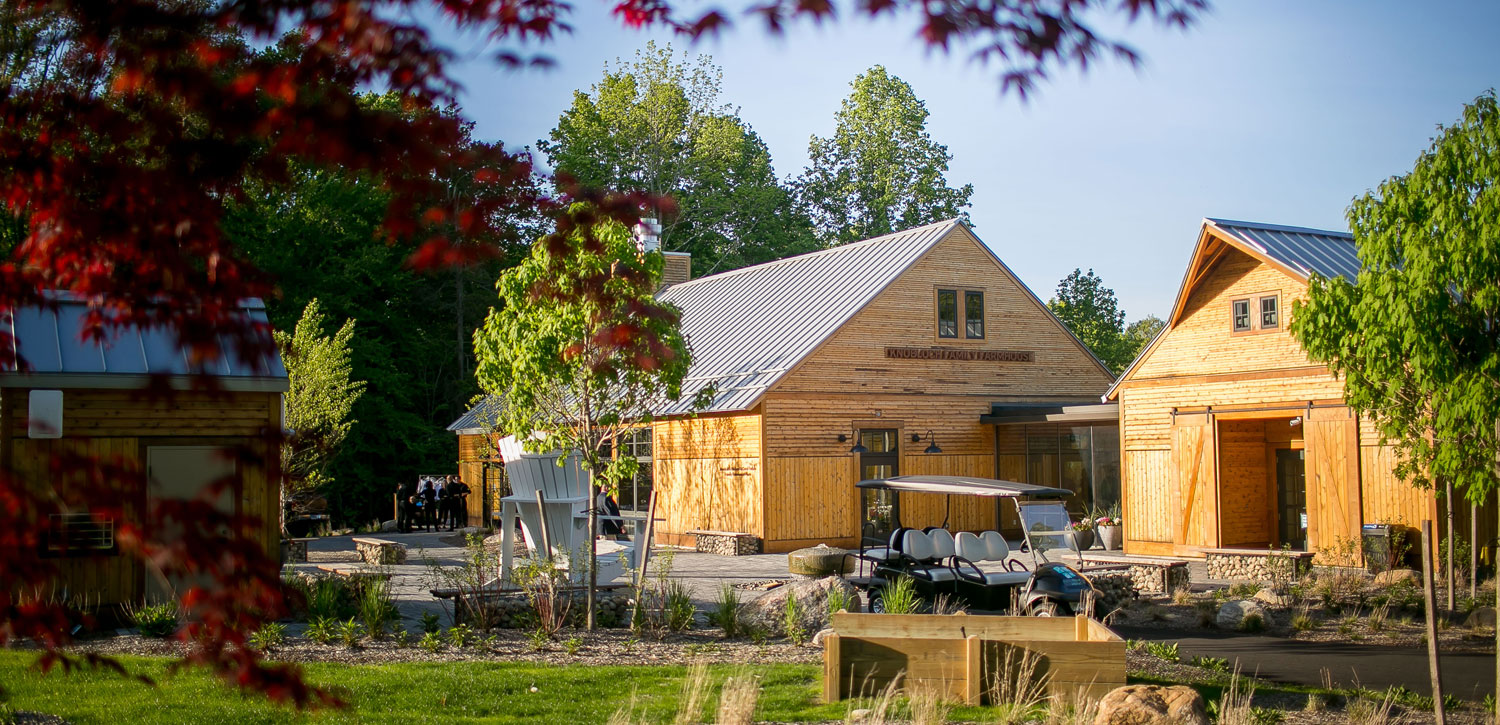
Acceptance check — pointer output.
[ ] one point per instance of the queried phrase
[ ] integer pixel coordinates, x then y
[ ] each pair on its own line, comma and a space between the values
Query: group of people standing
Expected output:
432, 502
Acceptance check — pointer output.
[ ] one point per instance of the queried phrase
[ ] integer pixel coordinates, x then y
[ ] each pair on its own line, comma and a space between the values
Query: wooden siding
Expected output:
1201, 342
1246, 510
1195, 486
1149, 506
903, 315
708, 474
811, 499
120, 426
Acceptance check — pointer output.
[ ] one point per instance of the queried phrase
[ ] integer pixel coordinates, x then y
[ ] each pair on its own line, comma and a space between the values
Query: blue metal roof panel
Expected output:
1331, 254
51, 341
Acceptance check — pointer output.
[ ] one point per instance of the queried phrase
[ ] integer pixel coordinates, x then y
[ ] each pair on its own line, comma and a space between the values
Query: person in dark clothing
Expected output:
458, 503
428, 498
406, 492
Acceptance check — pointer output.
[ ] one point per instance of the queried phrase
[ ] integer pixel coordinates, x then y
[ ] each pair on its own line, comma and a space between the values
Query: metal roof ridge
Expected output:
1277, 227
808, 255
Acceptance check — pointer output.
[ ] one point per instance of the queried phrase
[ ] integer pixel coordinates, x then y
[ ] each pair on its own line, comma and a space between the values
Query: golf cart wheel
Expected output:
877, 602
1044, 608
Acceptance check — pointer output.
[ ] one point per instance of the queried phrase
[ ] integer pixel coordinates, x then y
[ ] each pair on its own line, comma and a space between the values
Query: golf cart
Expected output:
974, 569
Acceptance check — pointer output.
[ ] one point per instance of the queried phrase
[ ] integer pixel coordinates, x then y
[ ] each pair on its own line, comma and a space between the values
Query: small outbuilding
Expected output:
102, 400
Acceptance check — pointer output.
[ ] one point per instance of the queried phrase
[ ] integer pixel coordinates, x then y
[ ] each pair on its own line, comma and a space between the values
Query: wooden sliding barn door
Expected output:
1195, 483
1333, 498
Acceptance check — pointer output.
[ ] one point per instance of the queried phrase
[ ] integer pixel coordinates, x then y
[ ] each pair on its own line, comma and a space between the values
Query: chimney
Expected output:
678, 267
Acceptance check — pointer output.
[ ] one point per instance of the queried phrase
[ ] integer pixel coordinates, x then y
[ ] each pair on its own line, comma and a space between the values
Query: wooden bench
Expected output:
724, 543
380, 551
295, 549
356, 573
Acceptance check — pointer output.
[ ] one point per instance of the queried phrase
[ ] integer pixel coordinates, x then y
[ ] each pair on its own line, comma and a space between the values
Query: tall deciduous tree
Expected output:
1414, 336
580, 350
880, 171
1091, 311
658, 125
1140, 333
319, 402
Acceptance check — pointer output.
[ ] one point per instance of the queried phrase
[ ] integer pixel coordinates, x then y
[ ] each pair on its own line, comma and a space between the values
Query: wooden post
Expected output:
1432, 642
541, 515
974, 678
1473, 551
831, 686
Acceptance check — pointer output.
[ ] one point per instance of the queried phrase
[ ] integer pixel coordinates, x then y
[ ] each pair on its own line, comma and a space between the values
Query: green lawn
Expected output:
491, 692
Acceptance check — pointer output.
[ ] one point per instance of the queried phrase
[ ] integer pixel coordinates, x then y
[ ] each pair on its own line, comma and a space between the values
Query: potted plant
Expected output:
1110, 535
1083, 533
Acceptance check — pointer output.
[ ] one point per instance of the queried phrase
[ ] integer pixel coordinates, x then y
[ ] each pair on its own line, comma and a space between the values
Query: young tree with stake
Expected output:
581, 352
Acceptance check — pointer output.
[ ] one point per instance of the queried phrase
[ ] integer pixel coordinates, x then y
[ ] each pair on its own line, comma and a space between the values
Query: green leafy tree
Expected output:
657, 125
580, 350
1414, 336
319, 403
1140, 333
1093, 313
880, 172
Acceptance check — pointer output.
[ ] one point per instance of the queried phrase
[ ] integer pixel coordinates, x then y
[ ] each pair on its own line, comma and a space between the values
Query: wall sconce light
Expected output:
1295, 421
858, 446
932, 446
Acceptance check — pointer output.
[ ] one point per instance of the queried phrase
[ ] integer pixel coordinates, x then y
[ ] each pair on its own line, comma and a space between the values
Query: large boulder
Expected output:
817, 561
1272, 599
1481, 618
769, 611
1235, 611
388, 526
1392, 577
1152, 705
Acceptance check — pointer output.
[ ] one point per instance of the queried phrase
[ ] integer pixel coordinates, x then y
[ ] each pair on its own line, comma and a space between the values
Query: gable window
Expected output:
1270, 317
1240, 310
974, 315
947, 313
80, 534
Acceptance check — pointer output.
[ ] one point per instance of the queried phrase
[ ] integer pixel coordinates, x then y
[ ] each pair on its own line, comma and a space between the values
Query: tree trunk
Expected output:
1448, 506
593, 554
1432, 642
1473, 551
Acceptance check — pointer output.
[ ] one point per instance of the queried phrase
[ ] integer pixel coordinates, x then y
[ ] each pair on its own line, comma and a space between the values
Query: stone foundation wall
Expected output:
726, 545
1151, 578
1115, 588
1257, 566
381, 553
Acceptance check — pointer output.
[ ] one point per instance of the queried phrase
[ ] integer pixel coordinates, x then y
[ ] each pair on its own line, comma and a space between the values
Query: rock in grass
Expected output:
1396, 576
1152, 705
769, 611
1235, 611
1481, 617
1272, 599
822, 636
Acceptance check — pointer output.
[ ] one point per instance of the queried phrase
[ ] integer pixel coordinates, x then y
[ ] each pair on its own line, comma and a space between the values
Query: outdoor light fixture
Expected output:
932, 446
858, 446
1295, 421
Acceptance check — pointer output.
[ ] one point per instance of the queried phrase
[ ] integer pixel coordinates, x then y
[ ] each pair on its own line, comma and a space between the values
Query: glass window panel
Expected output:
1106, 440
1268, 312
879, 441
879, 510
947, 313
1241, 315
974, 314
1041, 455
1075, 466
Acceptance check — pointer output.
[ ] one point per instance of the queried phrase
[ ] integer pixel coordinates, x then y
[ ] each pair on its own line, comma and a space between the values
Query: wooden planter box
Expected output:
960, 655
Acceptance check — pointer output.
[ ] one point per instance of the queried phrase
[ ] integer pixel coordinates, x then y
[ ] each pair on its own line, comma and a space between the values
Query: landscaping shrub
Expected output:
460, 636
838, 601
1244, 590
677, 606
270, 636
544, 583
791, 621
322, 630
468, 581
330, 598
900, 596
725, 613
430, 623
350, 633
1213, 664
1160, 650
432, 642
572, 645
155, 620
376, 607
1252, 623
403, 638
1303, 620
1208, 613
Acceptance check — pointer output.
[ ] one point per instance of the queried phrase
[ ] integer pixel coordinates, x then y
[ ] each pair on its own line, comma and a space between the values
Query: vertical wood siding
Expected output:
1246, 509
1333, 484
1149, 507
708, 474
1195, 485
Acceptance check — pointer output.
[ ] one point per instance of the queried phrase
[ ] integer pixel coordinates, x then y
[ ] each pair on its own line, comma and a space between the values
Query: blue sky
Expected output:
1279, 111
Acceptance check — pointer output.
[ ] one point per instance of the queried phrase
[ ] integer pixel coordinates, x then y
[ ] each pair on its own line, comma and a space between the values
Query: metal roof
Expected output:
480, 419
50, 340
1003, 413
1331, 254
748, 327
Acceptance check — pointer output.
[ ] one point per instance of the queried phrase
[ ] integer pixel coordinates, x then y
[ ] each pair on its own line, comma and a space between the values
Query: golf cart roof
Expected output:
964, 486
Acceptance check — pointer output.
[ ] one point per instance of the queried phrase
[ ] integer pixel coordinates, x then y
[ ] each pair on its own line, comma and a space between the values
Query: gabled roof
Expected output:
49, 339
480, 418
1297, 251
748, 327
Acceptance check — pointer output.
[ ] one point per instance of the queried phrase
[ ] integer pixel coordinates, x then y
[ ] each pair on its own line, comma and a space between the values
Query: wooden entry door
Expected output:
1195, 483
1291, 499
1333, 495
183, 472
880, 511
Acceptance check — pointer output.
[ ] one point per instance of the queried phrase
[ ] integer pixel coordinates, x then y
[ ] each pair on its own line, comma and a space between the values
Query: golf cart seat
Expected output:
989, 547
924, 558
890, 552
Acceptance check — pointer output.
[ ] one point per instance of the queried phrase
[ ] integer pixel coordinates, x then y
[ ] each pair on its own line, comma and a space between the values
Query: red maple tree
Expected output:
127, 126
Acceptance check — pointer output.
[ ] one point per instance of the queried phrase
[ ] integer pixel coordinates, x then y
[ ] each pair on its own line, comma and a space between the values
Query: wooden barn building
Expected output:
90, 399
1231, 437
921, 346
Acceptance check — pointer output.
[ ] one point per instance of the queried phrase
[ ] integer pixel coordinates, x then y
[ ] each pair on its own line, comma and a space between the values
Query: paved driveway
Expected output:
1470, 676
